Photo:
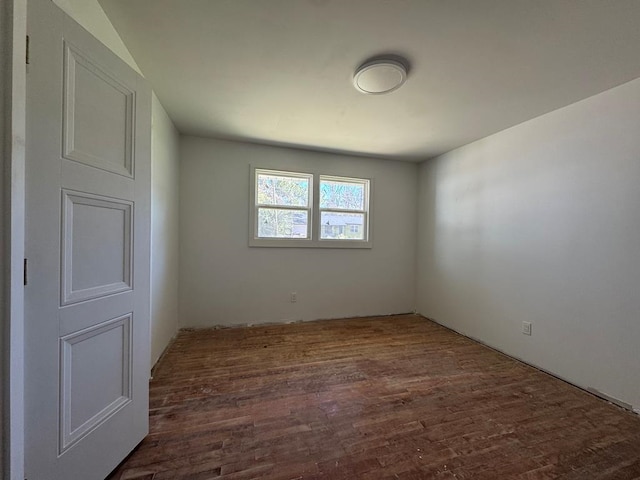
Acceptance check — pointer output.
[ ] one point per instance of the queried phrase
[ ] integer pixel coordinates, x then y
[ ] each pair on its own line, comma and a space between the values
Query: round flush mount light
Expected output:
380, 76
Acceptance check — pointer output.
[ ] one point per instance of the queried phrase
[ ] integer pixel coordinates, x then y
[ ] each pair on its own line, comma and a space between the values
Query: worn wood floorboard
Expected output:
374, 398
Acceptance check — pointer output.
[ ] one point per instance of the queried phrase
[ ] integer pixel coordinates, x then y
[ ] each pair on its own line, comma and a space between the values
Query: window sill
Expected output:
299, 243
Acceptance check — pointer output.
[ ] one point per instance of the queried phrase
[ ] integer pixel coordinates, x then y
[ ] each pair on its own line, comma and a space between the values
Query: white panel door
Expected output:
87, 296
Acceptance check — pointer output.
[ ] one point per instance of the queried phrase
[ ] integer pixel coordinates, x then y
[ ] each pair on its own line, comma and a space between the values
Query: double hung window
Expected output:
343, 212
296, 209
283, 204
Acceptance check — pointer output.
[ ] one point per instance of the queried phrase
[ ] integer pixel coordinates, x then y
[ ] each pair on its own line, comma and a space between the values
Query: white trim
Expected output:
341, 243
313, 226
13, 30
254, 206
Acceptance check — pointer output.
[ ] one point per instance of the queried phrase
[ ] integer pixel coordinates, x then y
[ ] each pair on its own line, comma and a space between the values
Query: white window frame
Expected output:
256, 241
313, 227
366, 183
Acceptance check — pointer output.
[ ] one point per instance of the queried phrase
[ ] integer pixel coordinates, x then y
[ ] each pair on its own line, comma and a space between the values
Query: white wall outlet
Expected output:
526, 328
294, 297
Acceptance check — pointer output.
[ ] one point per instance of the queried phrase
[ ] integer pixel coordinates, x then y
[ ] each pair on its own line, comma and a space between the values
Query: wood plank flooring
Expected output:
374, 398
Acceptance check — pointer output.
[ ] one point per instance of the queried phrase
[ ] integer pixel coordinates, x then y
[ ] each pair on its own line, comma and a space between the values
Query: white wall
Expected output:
165, 173
541, 223
164, 184
91, 16
224, 282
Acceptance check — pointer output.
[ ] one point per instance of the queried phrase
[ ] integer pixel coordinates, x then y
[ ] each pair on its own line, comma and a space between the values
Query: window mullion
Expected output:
315, 209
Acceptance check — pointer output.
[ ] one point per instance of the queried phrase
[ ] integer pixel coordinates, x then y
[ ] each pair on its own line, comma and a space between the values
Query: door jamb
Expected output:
12, 150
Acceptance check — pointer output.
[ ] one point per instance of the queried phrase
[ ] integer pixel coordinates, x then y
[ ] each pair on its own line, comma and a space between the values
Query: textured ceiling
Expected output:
280, 71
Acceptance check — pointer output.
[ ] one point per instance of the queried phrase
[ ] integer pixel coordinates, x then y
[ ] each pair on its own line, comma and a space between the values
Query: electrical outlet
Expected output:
526, 328
294, 297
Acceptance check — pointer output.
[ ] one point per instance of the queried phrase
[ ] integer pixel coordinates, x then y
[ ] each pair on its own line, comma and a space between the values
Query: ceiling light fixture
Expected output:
379, 76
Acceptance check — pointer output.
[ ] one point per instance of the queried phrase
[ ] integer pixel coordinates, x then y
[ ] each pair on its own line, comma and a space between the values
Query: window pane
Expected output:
277, 223
282, 190
341, 195
343, 226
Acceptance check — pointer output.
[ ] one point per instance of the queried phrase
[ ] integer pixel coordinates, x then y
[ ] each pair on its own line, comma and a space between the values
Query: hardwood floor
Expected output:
374, 398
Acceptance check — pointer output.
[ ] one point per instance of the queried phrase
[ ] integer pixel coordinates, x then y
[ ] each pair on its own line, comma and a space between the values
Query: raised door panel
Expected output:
98, 116
95, 380
97, 243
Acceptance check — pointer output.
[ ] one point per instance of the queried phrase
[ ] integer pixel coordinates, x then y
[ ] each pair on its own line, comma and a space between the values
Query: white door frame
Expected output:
13, 20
